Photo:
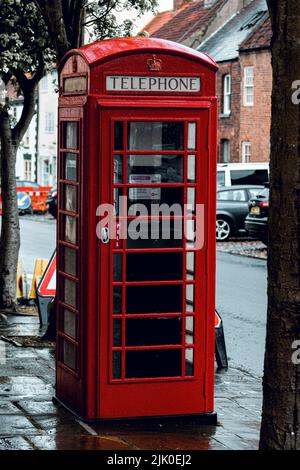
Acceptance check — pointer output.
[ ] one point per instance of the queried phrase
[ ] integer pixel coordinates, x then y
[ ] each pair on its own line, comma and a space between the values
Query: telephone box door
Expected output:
152, 312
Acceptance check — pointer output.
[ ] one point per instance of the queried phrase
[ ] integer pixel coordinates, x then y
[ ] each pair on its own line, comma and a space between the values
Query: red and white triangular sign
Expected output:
47, 285
217, 320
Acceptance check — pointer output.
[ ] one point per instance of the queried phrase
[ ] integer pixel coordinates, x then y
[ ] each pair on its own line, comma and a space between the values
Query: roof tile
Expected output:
189, 19
260, 39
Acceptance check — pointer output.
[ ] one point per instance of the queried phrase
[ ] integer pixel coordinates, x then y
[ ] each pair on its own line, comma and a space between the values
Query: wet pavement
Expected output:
241, 300
30, 420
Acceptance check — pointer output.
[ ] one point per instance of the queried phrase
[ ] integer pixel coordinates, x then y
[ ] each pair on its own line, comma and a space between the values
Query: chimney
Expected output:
179, 3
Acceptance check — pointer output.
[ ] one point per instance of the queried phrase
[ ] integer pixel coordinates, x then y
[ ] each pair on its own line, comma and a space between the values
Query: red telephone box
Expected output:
137, 129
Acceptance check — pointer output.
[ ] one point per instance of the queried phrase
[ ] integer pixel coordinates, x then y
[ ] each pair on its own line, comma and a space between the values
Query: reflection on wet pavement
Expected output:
30, 420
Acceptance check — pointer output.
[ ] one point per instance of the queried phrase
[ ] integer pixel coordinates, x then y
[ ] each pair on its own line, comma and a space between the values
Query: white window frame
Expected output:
225, 155
27, 169
249, 86
246, 152
46, 172
227, 94
49, 122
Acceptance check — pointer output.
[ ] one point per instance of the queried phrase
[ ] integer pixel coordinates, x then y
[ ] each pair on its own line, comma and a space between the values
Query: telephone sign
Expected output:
146, 84
136, 230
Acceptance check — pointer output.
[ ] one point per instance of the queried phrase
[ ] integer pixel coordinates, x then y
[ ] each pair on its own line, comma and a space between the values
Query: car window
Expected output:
264, 193
221, 178
249, 177
232, 195
254, 192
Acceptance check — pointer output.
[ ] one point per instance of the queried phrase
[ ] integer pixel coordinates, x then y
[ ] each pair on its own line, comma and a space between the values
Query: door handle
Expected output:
105, 235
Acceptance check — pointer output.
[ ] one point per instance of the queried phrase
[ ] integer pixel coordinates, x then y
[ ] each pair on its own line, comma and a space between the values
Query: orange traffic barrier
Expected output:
38, 197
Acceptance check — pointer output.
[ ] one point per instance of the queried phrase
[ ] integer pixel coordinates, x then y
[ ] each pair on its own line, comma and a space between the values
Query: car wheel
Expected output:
223, 230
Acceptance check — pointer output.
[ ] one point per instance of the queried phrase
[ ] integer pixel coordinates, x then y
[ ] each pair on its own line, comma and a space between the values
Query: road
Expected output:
38, 235
241, 293
242, 303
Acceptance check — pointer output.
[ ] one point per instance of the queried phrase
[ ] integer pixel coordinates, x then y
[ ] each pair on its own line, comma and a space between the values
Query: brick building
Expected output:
237, 35
242, 50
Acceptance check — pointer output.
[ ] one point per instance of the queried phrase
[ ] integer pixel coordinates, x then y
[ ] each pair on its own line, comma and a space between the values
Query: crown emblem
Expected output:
154, 64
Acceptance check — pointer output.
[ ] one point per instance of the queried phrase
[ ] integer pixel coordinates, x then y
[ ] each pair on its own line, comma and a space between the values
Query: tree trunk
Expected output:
281, 383
10, 229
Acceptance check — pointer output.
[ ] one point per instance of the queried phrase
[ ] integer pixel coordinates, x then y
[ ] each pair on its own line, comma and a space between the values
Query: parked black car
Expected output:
232, 209
256, 222
52, 202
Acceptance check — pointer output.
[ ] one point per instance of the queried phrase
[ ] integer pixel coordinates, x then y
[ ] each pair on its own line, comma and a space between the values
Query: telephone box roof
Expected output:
103, 50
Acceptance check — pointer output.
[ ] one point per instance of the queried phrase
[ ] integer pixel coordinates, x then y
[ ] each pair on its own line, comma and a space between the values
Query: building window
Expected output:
249, 86
27, 170
227, 94
246, 152
225, 151
46, 171
49, 123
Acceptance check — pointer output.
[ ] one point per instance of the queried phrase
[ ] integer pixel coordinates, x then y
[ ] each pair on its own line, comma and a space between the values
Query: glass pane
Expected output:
117, 301
70, 292
154, 299
190, 233
71, 166
190, 307
189, 330
117, 361
189, 362
152, 197
71, 135
69, 323
191, 168
155, 169
70, 198
155, 234
118, 192
155, 363
117, 322
154, 266
118, 169
118, 134
153, 331
192, 136
70, 229
155, 135
69, 260
190, 265
191, 200
117, 267
69, 354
